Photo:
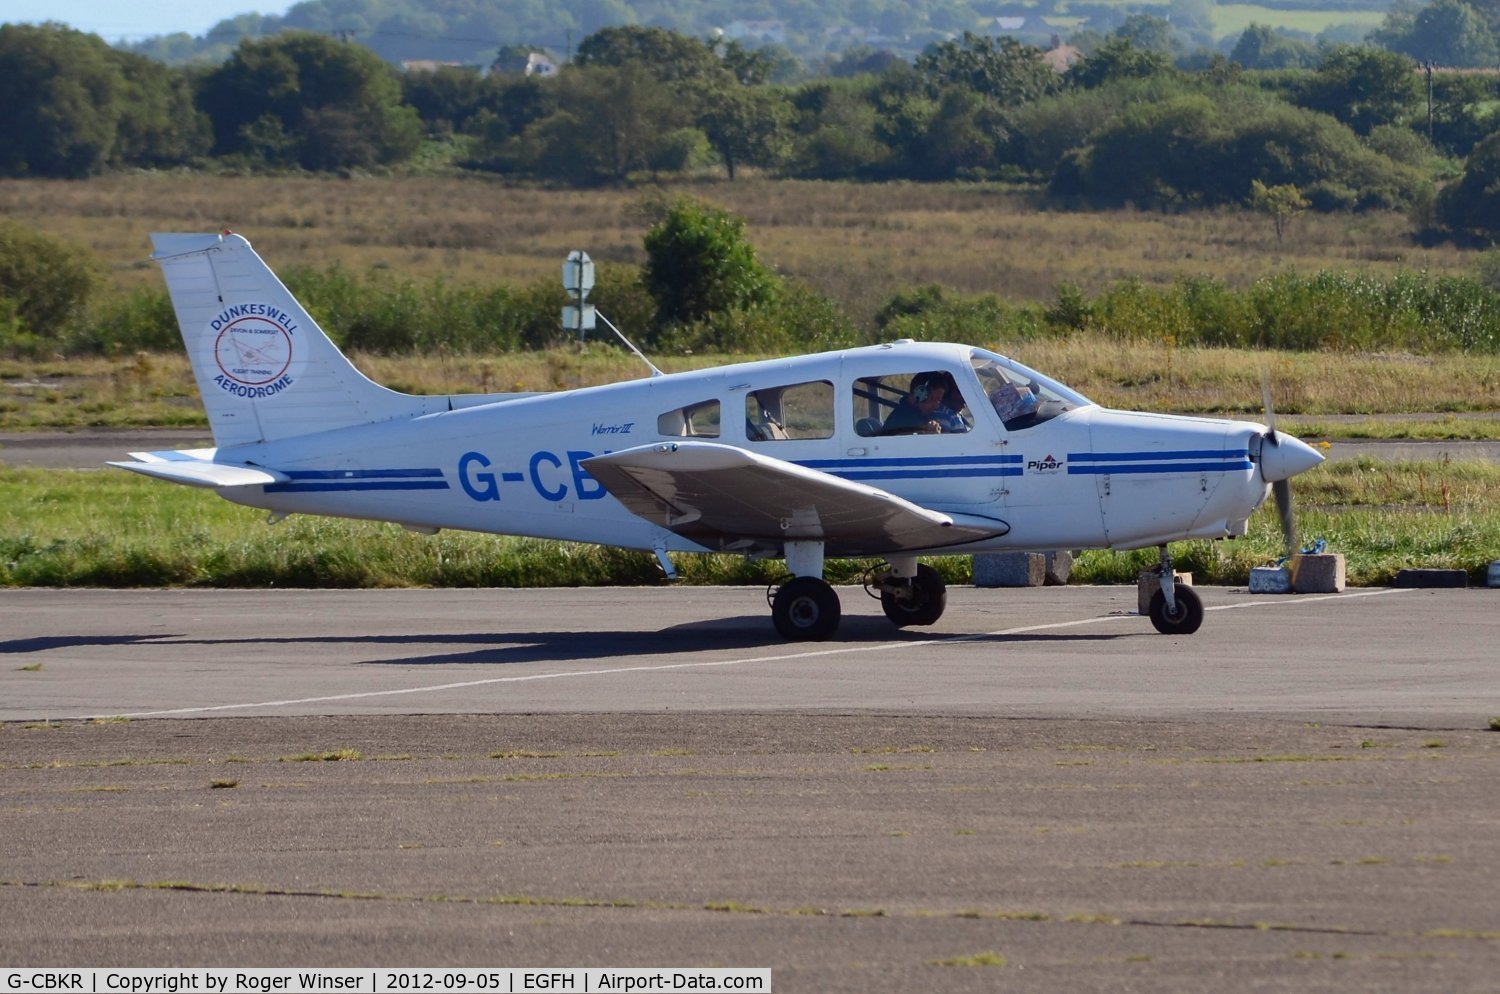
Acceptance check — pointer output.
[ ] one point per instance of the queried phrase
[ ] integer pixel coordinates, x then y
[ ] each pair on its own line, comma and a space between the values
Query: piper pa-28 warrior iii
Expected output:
894, 451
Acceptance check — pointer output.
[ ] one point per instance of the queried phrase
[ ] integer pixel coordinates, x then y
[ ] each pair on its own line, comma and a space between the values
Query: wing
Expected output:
196, 468
725, 497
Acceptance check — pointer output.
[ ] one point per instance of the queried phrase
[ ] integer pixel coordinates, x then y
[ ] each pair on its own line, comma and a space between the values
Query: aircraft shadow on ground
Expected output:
42, 643
747, 632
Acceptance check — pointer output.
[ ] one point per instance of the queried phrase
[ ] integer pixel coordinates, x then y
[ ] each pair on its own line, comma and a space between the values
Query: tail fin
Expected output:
265, 370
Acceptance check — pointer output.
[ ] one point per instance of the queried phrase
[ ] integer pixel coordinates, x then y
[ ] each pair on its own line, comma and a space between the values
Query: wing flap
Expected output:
196, 468
720, 495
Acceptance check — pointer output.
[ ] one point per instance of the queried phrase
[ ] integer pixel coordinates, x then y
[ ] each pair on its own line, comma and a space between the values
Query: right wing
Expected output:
726, 497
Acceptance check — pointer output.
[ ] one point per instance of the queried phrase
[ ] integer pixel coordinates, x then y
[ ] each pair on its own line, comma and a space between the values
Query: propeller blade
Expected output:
1265, 399
1281, 490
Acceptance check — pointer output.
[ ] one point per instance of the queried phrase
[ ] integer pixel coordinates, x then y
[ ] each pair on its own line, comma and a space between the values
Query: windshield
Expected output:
1021, 396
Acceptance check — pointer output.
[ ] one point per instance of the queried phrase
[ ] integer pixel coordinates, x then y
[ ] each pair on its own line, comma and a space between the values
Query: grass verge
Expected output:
101, 528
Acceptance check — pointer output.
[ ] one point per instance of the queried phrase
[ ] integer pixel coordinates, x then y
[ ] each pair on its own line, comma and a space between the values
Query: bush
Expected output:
931, 313
45, 288
699, 263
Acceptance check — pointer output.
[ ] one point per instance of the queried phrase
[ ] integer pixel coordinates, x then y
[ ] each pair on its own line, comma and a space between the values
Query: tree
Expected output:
1262, 47
1282, 202
1002, 69
746, 126
1363, 87
1152, 34
665, 55
698, 262
71, 106
1471, 206
44, 284
159, 125
1450, 33
609, 122
1191, 148
316, 94
58, 99
1116, 59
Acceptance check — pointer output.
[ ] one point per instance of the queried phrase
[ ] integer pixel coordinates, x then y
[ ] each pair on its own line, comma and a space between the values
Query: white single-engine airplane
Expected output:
894, 451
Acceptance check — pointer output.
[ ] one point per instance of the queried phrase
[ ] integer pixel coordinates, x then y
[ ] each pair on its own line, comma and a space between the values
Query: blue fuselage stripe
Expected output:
929, 474
363, 474
1225, 454
951, 461
343, 486
1171, 467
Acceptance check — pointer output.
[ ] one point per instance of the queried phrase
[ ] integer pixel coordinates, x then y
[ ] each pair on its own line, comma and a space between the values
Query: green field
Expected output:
1232, 18
109, 528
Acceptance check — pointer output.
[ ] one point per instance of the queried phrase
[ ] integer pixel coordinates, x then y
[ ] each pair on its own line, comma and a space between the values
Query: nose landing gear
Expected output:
1174, 610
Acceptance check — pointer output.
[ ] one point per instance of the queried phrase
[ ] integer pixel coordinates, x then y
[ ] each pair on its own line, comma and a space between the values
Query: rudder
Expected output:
264, 369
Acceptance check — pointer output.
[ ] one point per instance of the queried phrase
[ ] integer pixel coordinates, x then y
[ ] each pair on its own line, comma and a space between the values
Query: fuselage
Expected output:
1067, 476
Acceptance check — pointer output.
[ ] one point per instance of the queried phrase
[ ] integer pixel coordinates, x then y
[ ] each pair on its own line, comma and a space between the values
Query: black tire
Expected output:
806, 609
928, 600
1189, 614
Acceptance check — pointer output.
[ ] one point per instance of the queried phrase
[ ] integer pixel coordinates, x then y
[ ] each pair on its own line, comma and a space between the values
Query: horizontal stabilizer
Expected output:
196, 468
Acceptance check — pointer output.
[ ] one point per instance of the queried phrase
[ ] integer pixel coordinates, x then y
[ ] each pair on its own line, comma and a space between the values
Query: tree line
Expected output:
1125, 124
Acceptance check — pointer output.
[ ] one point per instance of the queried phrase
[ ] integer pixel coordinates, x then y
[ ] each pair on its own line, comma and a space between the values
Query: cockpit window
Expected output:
798, 410
1021, 396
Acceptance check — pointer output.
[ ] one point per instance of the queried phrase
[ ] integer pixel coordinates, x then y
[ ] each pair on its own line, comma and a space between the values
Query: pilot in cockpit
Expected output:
926, 409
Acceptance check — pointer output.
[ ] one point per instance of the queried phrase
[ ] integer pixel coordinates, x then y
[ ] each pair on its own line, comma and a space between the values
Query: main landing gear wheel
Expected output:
921, 603
806, 609
1185, 620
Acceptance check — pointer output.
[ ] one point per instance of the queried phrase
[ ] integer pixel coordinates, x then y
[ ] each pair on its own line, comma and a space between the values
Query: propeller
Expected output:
1281, 458
1281, 490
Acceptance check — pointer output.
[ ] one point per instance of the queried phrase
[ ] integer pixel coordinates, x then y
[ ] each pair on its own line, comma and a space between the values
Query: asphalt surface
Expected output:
1038, 794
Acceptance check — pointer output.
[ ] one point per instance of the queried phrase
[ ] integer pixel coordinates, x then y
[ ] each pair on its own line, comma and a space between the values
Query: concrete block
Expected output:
1010, 569
1149, 582
1059, 568
1494, 575
1270, 580
1432, 578
1318, 573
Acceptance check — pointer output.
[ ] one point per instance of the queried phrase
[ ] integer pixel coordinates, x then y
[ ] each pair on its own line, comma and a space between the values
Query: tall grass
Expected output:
102, 528
156, 389
855, 243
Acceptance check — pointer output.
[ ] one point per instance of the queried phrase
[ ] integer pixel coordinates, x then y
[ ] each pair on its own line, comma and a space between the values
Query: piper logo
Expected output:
1045, 465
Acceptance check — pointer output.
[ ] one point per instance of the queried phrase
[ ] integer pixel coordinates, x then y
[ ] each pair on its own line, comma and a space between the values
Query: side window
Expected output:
801, 410
699, 420
927, 402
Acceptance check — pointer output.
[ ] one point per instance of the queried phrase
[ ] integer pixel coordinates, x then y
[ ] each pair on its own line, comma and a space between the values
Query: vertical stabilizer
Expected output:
265, 370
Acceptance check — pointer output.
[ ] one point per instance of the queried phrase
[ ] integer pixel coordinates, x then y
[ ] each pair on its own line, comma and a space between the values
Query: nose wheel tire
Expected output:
1185, 620
922, 604
806, 609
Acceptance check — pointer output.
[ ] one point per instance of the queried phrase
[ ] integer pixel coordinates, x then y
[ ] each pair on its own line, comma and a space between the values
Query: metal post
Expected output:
1428, 67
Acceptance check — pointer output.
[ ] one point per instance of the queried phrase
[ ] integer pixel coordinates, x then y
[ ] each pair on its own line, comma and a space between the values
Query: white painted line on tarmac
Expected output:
707, 664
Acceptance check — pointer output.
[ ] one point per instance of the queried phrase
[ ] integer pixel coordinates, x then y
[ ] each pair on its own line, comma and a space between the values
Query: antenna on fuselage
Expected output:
578, 280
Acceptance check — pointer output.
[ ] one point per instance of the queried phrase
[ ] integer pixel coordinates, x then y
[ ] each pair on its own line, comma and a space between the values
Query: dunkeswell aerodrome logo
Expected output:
255, 349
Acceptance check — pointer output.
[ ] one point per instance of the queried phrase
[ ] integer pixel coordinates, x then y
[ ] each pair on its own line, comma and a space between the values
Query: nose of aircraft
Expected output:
1283, 457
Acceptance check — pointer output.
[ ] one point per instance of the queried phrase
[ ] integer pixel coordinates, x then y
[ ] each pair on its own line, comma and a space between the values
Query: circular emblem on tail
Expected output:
254, 349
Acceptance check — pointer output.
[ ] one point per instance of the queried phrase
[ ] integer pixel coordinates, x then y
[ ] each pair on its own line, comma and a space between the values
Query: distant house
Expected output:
427, 65
1061, 57
538, 64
